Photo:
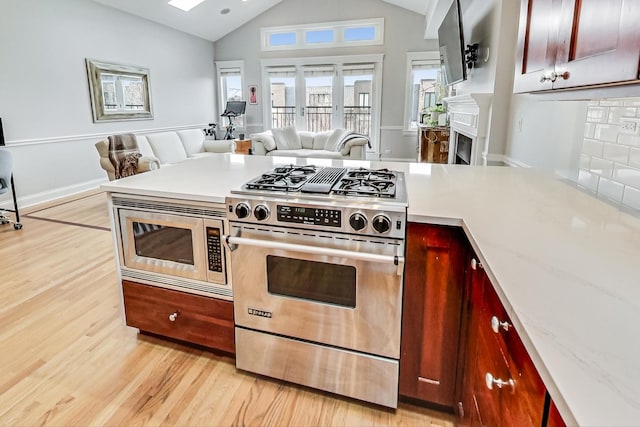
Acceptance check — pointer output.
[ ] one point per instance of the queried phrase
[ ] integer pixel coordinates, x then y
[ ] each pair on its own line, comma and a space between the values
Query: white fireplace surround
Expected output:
469, 115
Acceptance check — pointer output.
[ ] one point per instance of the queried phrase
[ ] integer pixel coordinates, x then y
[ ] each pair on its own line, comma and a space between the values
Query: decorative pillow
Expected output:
287, 138
267, 140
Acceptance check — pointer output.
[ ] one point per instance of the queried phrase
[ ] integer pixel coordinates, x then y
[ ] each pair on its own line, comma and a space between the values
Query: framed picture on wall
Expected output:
253, 95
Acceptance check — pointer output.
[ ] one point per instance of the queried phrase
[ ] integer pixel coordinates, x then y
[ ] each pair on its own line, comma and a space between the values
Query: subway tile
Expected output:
593, 103
626, 175
589, 129
597, 114
611, 102
611, 190
632, 102
630, 140
616, 112
585, 162
616, 153
631, 198
588, 180
601, 167
591, 147
634, 157
606, 132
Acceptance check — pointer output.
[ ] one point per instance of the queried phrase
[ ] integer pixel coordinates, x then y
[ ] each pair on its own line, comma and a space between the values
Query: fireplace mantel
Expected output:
469, 115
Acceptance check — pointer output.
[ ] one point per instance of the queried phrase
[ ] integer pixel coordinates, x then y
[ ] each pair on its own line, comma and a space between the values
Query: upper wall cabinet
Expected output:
577, 43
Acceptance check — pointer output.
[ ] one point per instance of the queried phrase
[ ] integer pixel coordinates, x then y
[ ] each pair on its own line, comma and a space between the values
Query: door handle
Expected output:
315, 250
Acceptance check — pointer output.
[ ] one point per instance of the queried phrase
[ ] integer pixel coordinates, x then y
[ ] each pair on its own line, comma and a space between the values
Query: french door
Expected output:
324, 96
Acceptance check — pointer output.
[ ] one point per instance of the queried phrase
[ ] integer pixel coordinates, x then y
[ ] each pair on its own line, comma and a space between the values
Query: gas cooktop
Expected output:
330, 181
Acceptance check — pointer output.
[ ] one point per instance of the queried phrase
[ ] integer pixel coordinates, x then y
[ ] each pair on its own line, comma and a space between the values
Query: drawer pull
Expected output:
475, 264
173, 316
496, 324
491, 381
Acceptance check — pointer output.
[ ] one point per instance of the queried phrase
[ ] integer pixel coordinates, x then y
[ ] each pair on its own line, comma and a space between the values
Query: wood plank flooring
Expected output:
67, 358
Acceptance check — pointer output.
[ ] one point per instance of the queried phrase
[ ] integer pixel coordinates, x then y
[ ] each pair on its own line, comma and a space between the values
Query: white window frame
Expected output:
338, 27
338, 62
411, 57
220, 66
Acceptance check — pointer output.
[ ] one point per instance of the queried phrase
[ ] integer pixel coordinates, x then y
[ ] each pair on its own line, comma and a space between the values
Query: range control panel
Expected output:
309, 216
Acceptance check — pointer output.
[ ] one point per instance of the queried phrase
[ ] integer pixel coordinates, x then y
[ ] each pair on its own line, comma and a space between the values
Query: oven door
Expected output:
163, 243
329, 289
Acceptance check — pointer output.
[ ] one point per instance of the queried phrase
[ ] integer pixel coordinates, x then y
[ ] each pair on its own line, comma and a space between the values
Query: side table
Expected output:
243, 146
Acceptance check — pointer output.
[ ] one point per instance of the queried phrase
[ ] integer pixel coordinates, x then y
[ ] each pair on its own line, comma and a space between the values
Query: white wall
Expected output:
45, 104
404, 32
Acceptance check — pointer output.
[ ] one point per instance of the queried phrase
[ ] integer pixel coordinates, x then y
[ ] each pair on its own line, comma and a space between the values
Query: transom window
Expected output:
330, 34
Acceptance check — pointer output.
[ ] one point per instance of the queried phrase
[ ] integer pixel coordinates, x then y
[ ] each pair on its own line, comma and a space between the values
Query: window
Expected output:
230, 84
424, 86
367, 32
325, 93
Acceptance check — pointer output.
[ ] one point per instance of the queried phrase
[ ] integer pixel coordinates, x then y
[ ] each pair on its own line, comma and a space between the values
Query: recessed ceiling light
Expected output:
185, 5
225, 11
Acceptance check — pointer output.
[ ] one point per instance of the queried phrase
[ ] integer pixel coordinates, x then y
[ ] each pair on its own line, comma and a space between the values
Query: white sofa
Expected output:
334, 144
166, 148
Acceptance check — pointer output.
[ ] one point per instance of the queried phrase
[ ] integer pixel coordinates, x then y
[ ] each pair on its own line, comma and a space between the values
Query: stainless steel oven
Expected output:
318, 291
172, 244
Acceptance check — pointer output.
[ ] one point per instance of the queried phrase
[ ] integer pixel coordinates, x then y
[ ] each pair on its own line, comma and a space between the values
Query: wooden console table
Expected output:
433, 143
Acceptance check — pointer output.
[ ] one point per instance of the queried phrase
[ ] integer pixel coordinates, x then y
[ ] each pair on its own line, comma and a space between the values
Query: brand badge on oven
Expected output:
260, 313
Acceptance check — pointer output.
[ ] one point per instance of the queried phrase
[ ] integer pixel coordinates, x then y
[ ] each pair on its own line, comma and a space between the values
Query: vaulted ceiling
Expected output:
207, 20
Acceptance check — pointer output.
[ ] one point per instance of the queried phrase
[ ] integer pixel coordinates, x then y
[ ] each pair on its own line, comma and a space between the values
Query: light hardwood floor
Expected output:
66, 357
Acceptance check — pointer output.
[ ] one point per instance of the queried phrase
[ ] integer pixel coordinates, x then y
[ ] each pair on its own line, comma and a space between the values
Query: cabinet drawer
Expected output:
525, 405
191, 318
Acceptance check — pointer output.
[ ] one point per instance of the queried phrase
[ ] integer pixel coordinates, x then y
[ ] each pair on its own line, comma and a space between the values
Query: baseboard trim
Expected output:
56, 193
514, 163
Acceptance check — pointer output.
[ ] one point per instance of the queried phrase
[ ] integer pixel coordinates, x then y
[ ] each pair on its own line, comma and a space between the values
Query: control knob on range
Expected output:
358, 221
242, 210
261, 212
381, 223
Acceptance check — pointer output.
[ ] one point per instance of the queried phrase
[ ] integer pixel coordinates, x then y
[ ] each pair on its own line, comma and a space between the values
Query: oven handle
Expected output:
360, 256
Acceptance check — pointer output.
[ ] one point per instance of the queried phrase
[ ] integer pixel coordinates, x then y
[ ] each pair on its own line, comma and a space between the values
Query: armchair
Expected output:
6, 181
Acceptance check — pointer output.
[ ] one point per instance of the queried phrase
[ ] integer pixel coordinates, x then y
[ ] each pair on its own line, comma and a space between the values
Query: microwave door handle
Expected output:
360, 256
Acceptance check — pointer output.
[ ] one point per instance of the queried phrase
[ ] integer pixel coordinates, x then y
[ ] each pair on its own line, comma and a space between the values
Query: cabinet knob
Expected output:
553, 76
173, 316
476, 264
547, 77
496, 324
491, 381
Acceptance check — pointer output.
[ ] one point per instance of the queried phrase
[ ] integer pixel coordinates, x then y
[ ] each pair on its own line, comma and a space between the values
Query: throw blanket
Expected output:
124, 154
339, 137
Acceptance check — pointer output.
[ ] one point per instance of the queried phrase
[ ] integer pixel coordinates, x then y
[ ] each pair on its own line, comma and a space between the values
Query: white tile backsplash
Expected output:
610, 160
616, 153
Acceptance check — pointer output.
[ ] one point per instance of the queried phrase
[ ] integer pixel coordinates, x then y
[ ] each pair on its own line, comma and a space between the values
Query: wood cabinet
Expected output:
500, 385
433, 144
192, 318
554, 419
576, 43
433, 284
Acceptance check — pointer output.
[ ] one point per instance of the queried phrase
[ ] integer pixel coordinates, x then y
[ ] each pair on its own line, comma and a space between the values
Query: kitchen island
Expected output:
561, 262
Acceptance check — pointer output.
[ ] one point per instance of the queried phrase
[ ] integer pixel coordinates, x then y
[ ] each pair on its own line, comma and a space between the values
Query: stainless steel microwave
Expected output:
172, 245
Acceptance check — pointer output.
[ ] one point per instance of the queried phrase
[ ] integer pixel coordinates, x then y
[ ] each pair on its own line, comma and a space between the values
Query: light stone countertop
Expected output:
563, 263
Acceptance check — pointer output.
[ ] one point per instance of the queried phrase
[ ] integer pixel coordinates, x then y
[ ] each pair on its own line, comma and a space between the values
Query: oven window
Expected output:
164, 243
311, 280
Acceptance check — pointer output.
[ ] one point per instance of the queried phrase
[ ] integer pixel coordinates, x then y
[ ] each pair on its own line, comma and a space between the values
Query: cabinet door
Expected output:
433, 283
537, 36
554, 420
475, 280
598, 42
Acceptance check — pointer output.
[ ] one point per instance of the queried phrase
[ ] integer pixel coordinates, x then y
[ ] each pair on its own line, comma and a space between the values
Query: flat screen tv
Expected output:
451, 42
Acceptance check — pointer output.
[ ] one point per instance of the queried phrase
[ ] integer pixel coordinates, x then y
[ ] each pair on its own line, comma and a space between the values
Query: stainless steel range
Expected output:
317, 258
